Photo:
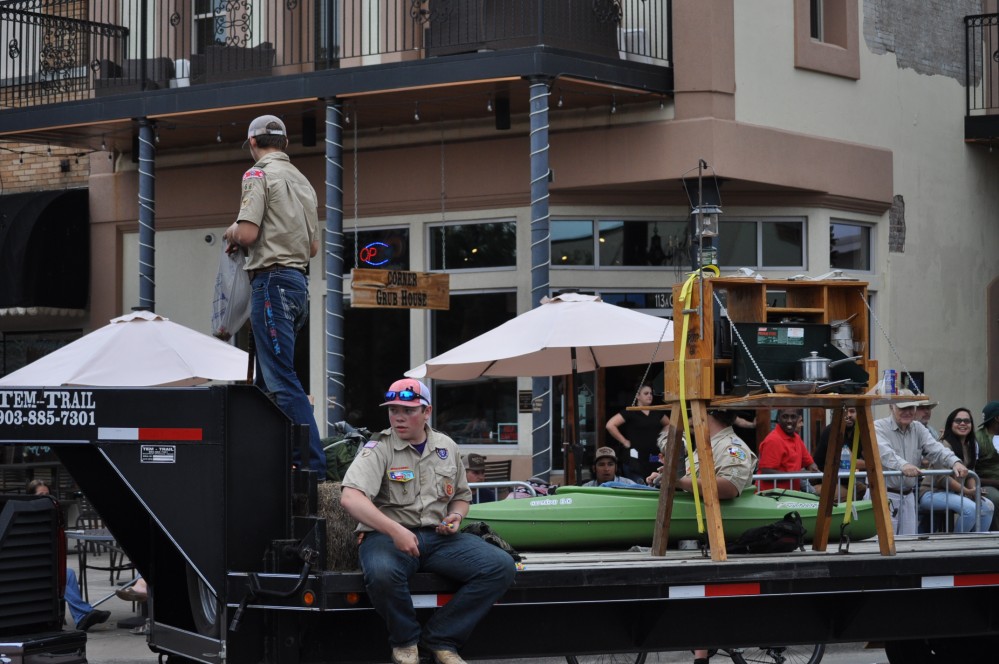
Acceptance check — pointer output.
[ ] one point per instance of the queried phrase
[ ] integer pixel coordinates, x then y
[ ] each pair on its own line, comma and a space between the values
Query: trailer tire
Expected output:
204, 605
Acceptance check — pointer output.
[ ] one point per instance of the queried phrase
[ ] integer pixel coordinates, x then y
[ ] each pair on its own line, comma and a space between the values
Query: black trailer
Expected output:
196, 485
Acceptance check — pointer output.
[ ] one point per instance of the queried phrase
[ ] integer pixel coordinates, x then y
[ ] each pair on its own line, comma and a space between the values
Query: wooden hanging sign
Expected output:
398, 289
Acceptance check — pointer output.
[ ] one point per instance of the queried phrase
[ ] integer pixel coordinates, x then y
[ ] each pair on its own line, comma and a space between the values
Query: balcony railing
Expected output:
982, 63
63, 50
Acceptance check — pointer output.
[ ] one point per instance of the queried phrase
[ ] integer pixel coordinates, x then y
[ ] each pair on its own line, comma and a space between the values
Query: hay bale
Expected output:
341, 541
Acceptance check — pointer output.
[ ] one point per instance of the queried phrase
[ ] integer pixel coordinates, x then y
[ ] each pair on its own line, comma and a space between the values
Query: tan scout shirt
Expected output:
282, 204
734, 461
410, 489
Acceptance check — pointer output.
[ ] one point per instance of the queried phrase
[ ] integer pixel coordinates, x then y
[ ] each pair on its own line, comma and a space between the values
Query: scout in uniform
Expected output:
408, 491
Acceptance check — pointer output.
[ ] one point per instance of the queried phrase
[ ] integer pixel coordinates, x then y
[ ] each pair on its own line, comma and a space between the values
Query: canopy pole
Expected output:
541, 389
335, 386
147, 214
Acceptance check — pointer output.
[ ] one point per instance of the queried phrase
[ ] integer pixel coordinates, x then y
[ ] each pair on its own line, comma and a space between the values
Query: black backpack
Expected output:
778, 537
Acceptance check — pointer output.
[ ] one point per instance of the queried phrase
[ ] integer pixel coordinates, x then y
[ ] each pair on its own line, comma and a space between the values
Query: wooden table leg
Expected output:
830, 483
707, 482
875, 480
667, 489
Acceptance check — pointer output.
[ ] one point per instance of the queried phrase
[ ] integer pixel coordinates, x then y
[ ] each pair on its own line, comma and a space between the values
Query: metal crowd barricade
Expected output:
510, 486
927, 519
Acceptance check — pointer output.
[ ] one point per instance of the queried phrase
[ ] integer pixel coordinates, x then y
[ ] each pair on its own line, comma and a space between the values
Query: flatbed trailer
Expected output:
195, 484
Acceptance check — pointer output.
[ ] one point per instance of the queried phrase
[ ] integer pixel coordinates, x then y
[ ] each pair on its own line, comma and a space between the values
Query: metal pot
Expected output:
842, 334
817, 368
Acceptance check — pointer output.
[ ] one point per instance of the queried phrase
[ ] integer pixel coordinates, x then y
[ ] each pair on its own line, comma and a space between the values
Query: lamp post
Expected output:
704, 227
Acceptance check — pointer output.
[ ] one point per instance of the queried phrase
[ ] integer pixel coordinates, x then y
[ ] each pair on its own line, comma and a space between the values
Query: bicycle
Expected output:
800, 654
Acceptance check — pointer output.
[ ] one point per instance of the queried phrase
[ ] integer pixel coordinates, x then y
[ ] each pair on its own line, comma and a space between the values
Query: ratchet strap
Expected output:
688, 438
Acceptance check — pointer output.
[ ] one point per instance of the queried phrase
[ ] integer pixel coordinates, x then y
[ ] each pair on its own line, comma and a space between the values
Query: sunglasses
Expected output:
403, 395
961, 420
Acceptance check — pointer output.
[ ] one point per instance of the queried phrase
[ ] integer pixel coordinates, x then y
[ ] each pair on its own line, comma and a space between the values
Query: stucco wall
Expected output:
933, 293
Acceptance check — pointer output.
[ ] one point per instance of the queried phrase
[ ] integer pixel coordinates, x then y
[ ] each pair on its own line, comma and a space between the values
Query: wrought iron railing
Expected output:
61, 50
981, 46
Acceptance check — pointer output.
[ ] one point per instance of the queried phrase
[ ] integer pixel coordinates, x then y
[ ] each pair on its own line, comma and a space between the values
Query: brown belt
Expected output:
274, 268
904, 492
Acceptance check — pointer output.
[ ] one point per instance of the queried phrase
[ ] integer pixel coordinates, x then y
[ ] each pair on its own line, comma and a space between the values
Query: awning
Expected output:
44, 251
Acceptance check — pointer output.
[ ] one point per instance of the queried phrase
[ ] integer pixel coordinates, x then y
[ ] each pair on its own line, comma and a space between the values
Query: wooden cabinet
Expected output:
770, 301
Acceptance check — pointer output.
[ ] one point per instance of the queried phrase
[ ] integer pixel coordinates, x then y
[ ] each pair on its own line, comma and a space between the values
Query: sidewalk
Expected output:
107, 643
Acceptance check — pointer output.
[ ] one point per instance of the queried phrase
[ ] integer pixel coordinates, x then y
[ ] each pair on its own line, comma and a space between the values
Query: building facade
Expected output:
834, 132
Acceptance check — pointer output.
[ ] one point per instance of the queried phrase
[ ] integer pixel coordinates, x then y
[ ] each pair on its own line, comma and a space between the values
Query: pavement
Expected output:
108, 643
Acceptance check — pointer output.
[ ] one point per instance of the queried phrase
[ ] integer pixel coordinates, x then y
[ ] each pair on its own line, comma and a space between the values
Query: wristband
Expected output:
460, 515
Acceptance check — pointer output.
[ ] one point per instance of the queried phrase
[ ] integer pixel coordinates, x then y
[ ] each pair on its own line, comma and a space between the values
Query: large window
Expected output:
850, 246
482, 411
618, 243
386, 249
762, 243
473, 246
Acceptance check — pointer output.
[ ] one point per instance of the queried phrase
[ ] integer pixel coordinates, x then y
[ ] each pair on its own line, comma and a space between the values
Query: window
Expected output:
618, 243
471, 411
473, 246
226, 22
849, 246
827, 37
386, 249
763, 243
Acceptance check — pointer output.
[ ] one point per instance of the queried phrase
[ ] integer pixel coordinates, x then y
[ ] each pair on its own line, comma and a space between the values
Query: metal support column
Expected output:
335, 386
541, 388
147, 214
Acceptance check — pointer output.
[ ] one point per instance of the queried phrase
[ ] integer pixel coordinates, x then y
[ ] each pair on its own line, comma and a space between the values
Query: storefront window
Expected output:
473, 246
481, 411
572, 242
850, 246
762, 243
386, 249
643, 243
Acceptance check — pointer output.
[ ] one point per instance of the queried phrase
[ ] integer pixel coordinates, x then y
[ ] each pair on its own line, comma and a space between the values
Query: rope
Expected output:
648, 367
905, 369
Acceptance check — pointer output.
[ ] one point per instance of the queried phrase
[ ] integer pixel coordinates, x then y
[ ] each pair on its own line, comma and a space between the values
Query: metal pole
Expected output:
541, 389
335, 384
147, 215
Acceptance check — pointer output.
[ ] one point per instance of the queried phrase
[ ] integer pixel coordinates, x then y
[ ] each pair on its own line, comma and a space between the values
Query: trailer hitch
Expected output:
309, 557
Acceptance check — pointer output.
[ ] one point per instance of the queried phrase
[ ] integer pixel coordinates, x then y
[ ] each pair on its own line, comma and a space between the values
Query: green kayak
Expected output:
589, 517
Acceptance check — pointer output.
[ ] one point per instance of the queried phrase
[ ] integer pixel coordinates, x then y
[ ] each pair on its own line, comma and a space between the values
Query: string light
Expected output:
416, 112
489, 104
613, 104
20, 157
156, 137
560, 100
104, 144
218, 135
662, 104
48, 150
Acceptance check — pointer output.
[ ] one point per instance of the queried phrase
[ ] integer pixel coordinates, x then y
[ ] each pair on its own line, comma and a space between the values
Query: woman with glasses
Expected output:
943, 495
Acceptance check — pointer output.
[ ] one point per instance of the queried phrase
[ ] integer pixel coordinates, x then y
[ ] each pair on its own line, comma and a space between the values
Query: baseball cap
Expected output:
990, 412
259, 127
604, 452
474, 461
407, 392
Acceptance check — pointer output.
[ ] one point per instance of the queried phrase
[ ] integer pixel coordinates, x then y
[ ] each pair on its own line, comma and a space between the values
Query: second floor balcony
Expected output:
981, 123
77, 50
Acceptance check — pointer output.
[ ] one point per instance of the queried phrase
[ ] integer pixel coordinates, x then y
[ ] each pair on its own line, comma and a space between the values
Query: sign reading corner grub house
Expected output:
398, 289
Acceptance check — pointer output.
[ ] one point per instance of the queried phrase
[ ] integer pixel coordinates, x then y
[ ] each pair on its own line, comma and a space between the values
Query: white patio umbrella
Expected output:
139, 349
542, 342
566, 334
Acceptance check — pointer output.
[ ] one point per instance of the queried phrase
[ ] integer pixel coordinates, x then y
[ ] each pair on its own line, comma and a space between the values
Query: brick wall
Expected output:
926, 36
40, 171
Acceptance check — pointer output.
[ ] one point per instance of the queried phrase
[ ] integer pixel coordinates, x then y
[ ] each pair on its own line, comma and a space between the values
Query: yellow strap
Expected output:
684, 306
851, 483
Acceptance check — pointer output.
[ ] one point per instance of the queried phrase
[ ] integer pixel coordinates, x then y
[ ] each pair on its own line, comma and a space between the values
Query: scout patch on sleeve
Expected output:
737, 452
254, 174
371, 444
401, 474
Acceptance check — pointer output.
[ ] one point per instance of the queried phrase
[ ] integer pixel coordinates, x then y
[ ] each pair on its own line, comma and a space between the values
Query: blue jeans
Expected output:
280, 308
485, 572
945, 502
74, 600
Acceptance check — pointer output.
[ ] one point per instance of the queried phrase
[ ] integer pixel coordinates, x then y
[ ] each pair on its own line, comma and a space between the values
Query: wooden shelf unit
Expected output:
751, 301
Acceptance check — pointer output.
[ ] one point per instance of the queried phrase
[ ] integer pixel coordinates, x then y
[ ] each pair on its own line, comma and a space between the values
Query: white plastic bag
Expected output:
231, 304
